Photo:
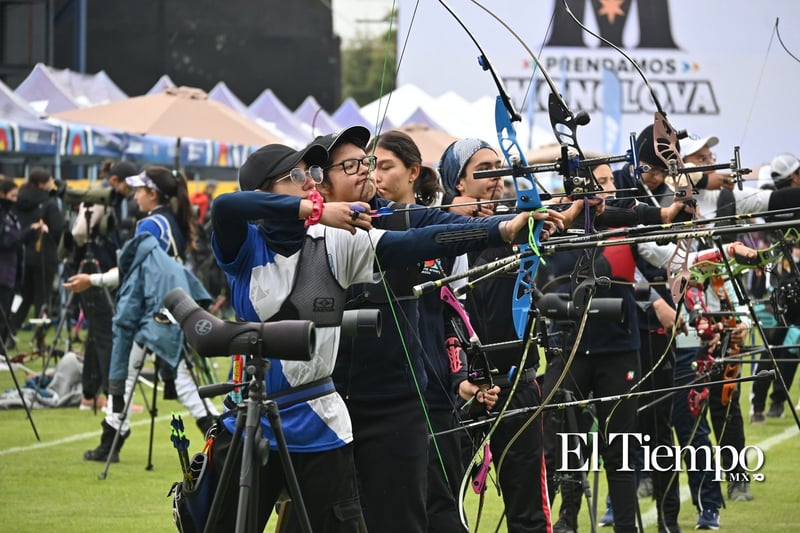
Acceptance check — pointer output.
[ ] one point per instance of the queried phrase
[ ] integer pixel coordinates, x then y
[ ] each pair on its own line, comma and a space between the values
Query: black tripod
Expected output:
169, 394
88, 265
254, 449
14, 378
570, 486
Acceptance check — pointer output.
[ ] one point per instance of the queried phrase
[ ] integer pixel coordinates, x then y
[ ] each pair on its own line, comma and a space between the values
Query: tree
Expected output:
369, 67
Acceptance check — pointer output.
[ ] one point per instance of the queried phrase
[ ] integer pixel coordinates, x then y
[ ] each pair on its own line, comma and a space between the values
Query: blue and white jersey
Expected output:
162, 225
260, 281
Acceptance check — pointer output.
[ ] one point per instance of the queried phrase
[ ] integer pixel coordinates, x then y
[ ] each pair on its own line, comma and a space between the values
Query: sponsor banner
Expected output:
715, 65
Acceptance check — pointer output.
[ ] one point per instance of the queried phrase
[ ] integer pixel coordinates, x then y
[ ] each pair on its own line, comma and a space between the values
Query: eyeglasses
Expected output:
352, 166
299, 175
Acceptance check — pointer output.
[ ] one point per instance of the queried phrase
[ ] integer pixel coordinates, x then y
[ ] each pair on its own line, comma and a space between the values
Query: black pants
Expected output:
391, 455
656, 421
99, 338
608, 375
523, 479
6, 300
327, 482
787, 369
37, 291
443, 492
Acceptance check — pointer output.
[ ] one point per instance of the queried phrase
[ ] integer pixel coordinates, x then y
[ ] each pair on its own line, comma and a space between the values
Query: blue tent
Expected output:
270, 109
317, 119
349, 114
21, 131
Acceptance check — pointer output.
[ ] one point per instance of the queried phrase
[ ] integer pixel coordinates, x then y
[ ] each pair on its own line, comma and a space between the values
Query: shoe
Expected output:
90, 404
101, 453
708, 519
758, 418
607, 520
645, 489
563, 527
739, 491
775, 410
675, 528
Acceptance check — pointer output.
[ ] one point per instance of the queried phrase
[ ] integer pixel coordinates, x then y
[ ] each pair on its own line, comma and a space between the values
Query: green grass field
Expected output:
47, 486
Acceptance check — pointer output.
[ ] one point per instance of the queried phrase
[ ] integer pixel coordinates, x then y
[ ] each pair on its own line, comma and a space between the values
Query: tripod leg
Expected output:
247, 471
138, 356
572, 427
227, 472
62, 319
288, 470
19, 390
153, 415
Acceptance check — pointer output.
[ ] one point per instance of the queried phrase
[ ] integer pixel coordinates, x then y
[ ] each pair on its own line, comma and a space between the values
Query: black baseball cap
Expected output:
274, 160
123, 169
646, 147
358, 135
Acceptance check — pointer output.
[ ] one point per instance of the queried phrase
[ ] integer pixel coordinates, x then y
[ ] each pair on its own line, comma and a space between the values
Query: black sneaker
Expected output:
100, 455
563, 527
708, 519
775, 410
758, 418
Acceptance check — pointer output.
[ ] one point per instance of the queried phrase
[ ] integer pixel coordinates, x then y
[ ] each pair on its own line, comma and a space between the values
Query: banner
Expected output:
710, 64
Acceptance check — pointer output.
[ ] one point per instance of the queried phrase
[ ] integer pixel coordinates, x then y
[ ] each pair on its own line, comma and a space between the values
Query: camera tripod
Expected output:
88, 265
14, 377
567, 421
254, 450
152, 408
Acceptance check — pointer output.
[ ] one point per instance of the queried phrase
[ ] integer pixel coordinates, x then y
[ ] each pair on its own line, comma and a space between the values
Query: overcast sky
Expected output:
350, 16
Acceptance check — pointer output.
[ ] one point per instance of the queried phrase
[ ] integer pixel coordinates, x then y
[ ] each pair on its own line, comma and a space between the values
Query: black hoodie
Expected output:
33, 205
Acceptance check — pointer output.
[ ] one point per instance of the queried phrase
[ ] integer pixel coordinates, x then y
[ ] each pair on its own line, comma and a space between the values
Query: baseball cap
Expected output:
123, 169
694, 142
273, 160
783, 166
358, 135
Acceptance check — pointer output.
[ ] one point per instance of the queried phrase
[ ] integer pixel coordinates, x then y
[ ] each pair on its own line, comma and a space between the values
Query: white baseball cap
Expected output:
694, 142
783, 166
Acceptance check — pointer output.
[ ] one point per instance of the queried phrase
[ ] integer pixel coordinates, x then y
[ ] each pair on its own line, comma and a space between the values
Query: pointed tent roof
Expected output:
13, 107
317, 119
51, 90
420, 116
164, 82
88, 89
222, 93
28, 134
270, 109
45, 93
349, 114
399, 104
